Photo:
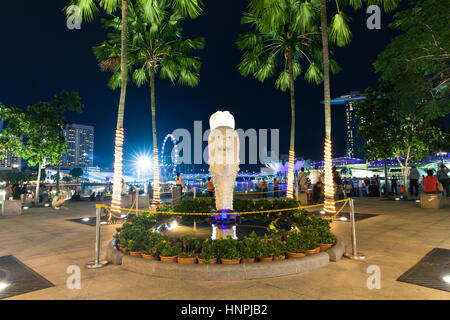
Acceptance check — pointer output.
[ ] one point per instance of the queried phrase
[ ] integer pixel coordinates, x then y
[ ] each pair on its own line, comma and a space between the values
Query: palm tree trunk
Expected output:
156, 186
290, 180
36, 194
119, 139
329, 186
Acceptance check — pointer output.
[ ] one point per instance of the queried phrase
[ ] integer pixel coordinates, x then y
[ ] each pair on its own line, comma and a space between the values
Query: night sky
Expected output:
40, 57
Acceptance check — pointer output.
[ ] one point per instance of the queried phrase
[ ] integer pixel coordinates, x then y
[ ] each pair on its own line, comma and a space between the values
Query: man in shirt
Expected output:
430, 183
210, 186
414, 176
314, 176
275, 188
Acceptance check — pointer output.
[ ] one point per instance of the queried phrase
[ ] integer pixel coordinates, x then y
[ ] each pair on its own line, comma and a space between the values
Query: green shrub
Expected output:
208, 250
229, 248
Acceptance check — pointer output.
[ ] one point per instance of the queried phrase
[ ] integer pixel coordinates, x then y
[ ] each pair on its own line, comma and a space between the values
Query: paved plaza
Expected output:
395, 240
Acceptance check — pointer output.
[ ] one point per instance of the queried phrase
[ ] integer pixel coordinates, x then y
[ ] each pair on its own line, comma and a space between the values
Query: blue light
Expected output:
224, 216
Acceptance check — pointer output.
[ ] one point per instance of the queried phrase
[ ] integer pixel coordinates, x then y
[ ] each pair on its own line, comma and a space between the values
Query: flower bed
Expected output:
308, 235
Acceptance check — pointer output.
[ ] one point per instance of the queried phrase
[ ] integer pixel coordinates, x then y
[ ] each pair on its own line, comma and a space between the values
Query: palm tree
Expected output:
154, 49
152, 11
283, 28
341, 35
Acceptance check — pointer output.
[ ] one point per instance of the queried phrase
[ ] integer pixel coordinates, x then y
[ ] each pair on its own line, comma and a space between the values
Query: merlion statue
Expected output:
223, 147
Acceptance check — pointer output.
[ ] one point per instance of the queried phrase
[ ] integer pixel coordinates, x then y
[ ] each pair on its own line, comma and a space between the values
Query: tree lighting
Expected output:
117, 179
290, 181
156, 187
329, 206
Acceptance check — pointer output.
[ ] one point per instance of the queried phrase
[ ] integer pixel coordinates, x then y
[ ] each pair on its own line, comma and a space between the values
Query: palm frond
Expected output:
339, 30
314, 74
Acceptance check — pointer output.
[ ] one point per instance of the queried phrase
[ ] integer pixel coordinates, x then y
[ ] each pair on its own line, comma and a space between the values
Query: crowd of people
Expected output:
313, 183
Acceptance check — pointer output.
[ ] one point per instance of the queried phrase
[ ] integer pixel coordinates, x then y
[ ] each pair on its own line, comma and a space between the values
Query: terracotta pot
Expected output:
251, 260
168, 259
190, 260
276, 258
230, 261
266, 259
325, 246
211, 261
149, 257
136, 254
317, 250
310, 252
291, 255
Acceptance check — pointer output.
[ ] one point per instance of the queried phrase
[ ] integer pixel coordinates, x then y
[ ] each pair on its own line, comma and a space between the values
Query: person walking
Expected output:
442, 176
180, 184
394, 185
414, 176
301, 180
210, 187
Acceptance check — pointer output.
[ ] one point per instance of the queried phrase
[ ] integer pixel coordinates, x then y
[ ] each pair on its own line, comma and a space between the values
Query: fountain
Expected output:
223, 147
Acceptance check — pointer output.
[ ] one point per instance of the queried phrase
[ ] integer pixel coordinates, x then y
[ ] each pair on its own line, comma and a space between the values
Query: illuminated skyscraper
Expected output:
80, 140
10, 161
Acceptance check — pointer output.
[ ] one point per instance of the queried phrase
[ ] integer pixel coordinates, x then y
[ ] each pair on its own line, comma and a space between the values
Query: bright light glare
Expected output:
322, 212
144, 162
446, 278
343, 218
174, 224
26, 208
103, 222
123, 216
3, 285
85, 219
417, 200
396, 199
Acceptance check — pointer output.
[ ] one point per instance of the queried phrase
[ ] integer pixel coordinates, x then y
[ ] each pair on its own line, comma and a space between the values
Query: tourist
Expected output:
132, 194
301, 180
348, 187
314, 176
430, 183
264, 188
414, 176
275, 188
394, 185
180, 184
442, 176
210, 187
338, 184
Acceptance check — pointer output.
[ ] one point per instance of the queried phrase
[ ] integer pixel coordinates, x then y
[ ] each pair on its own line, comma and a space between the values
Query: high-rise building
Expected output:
80, 140
352, 123
9, 161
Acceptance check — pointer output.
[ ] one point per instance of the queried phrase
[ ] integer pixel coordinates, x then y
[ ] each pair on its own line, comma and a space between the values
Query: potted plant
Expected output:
311, 237
169, 252
208, 253
326, 238
229, 251
250, 248
279, 249
295, 245
267, 249
188, 252
153, 246
134, 248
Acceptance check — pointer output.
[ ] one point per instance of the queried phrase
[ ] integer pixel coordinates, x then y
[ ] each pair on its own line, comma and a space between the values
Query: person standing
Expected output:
394, 185
414, 176
264, 188
180, 183
210, 187
442, 176
275, 188
314, 176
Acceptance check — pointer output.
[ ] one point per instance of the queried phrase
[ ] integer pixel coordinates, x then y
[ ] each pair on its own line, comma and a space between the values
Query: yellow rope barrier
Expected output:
209, 213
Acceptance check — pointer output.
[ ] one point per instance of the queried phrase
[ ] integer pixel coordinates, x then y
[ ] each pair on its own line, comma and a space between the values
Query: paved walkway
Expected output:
395, 240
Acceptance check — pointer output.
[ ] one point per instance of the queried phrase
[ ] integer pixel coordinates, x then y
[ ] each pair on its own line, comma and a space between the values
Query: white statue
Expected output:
223, 147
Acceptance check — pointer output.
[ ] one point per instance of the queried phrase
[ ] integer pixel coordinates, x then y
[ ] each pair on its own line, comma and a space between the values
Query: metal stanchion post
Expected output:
137, 201
195, 192
354, 254
97, 263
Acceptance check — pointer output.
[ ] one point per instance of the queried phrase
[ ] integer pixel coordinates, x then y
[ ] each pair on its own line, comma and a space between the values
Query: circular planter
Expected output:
292, 255
190, 260
168, 259
266, 259
149, 257
211, 261
136, 254
251, 260
277, 258
317, 250
325, 246
230, 261
310, 252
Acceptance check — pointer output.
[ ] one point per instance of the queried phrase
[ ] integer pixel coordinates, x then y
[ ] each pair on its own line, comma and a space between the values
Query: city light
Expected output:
3, 285
117, 180
144, 162
329, 206
290, 176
